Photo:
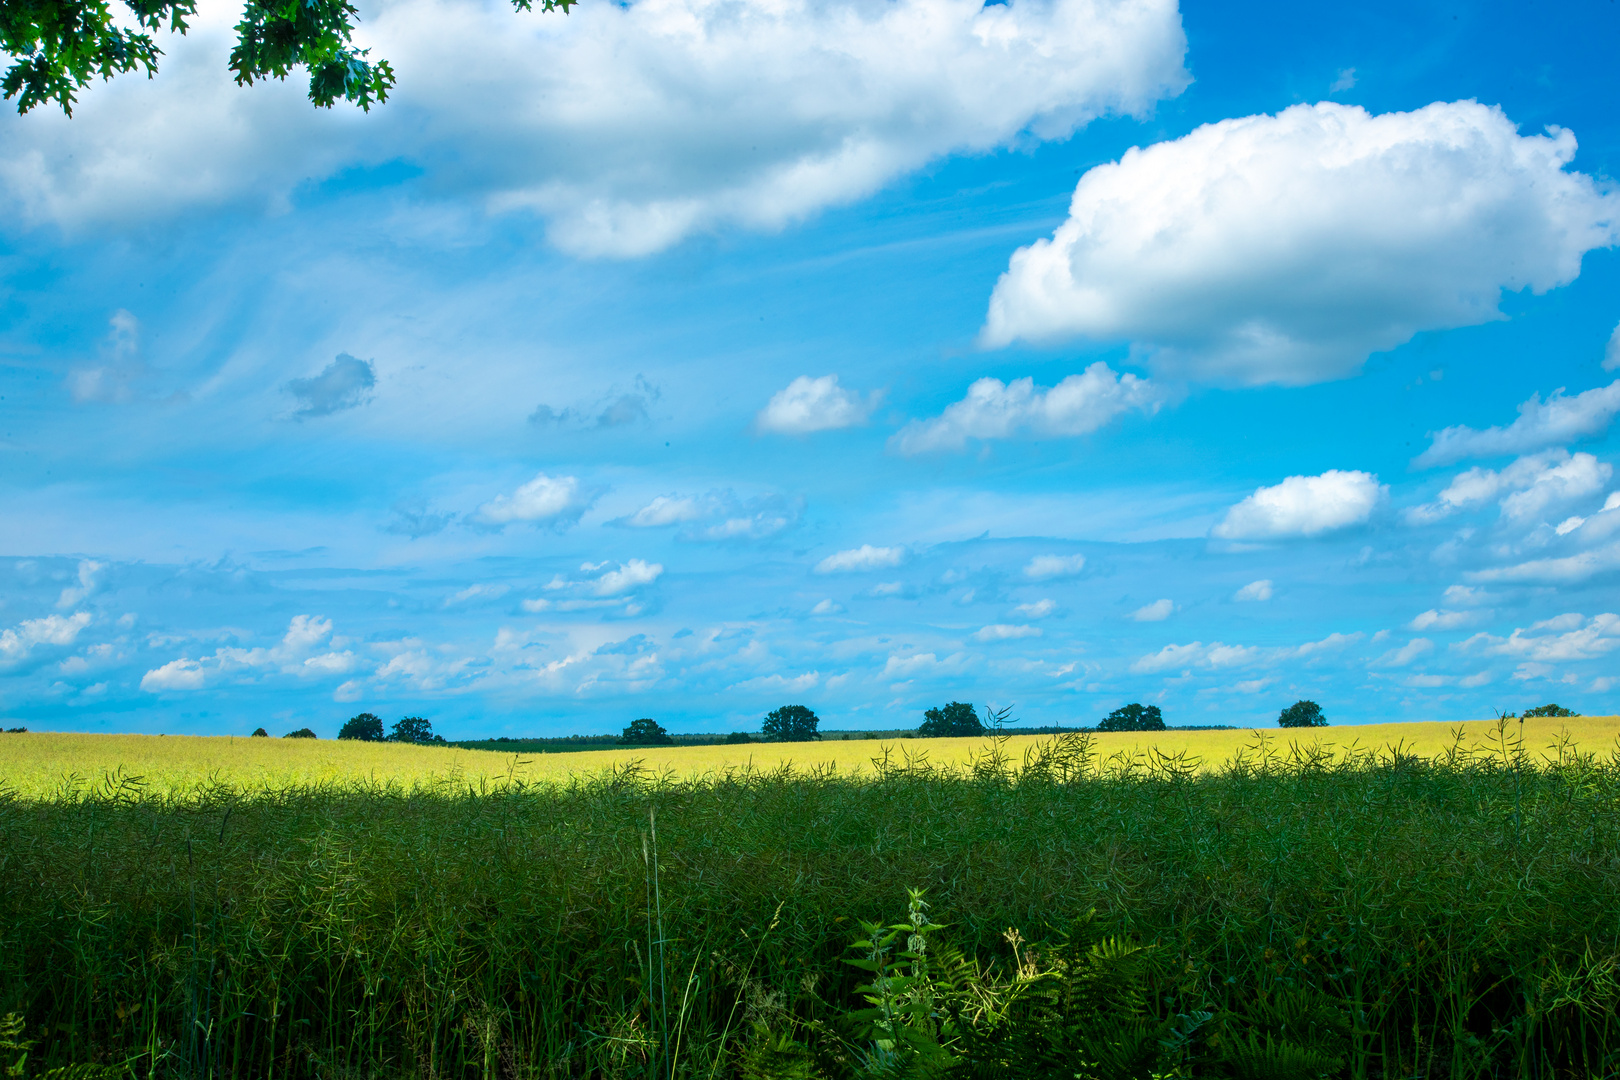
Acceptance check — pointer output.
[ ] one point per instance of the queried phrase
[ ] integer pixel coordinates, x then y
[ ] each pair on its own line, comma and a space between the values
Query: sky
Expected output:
689, 358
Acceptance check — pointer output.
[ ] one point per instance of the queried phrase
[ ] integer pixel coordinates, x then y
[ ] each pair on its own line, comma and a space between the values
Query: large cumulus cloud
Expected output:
1287, 248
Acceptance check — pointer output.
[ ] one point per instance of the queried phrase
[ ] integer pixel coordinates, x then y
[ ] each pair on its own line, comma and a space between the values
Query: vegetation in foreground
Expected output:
1293, 915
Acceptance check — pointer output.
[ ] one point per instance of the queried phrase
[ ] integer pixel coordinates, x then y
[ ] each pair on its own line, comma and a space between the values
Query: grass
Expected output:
1450, 916
36, 765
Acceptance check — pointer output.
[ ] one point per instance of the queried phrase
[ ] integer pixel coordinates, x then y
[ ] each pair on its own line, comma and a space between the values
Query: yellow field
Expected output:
36, 764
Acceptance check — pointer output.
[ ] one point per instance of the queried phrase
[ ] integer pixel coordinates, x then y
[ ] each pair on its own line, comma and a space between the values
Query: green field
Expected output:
39, 764
1297, 911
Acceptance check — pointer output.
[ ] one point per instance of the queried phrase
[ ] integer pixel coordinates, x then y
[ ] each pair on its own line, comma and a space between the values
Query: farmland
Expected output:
37, 764
1285, 911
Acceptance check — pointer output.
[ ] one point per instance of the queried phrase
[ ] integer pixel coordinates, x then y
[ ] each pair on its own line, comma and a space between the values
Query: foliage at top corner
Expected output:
1302, 713
1133, 717
790, 723
954, 720
58, 46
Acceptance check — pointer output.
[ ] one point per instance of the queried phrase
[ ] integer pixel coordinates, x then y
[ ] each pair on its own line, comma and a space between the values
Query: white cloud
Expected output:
1331, 643
476, 591
290, 656
1303, 506
89, 571
1218, 655
996, 410
905, 667
17, 642
1005, 632
826, 607
179, 674
1286, 249
1405, 654
1559, 419
667, 510
865, 557
1466, 596
1346, 80
1557, 571
1196, 655
1446, 619
794, 684
627, 125
1532, 483
1158, 611
888, 588
1580, 476
1564, 639
624, 578
1255, 591
1038, 609
808, 405
1569, 525
717, 515
1611, 353
332, 663
1046, 567
558, 499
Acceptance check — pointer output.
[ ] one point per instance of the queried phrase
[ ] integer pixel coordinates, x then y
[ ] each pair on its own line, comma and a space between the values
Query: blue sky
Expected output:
687, 358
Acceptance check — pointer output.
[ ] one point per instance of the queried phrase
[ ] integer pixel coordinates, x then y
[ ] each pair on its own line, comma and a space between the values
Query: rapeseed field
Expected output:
37, 764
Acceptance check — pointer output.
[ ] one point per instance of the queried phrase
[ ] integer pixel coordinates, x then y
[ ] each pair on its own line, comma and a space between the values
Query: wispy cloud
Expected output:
1555, 421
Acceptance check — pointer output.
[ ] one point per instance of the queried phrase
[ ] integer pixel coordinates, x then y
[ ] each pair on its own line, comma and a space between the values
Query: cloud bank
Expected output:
1286, 249
628, 126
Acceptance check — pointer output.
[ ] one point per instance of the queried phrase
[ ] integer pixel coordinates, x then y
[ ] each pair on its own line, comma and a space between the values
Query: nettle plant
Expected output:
1078, 1007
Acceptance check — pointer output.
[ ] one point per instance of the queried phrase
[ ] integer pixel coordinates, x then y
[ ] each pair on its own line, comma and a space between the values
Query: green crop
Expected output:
1290, 915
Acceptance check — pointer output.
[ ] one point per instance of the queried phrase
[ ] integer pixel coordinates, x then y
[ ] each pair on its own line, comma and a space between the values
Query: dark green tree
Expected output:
1133, 717
950, 721
301, 733
645, 732
1549, 710
259, 733
367, 727
1302, 714
738, 737
414, 729
790, 723
58, 46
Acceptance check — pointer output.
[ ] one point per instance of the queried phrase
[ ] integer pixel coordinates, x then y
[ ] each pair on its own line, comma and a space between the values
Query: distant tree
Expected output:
16, 731
301, 733
414, 729
1133, 717
737, 737
790, 723
1302, 714
645, 732
367, 727
260, 733
1549, 710
954, 720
